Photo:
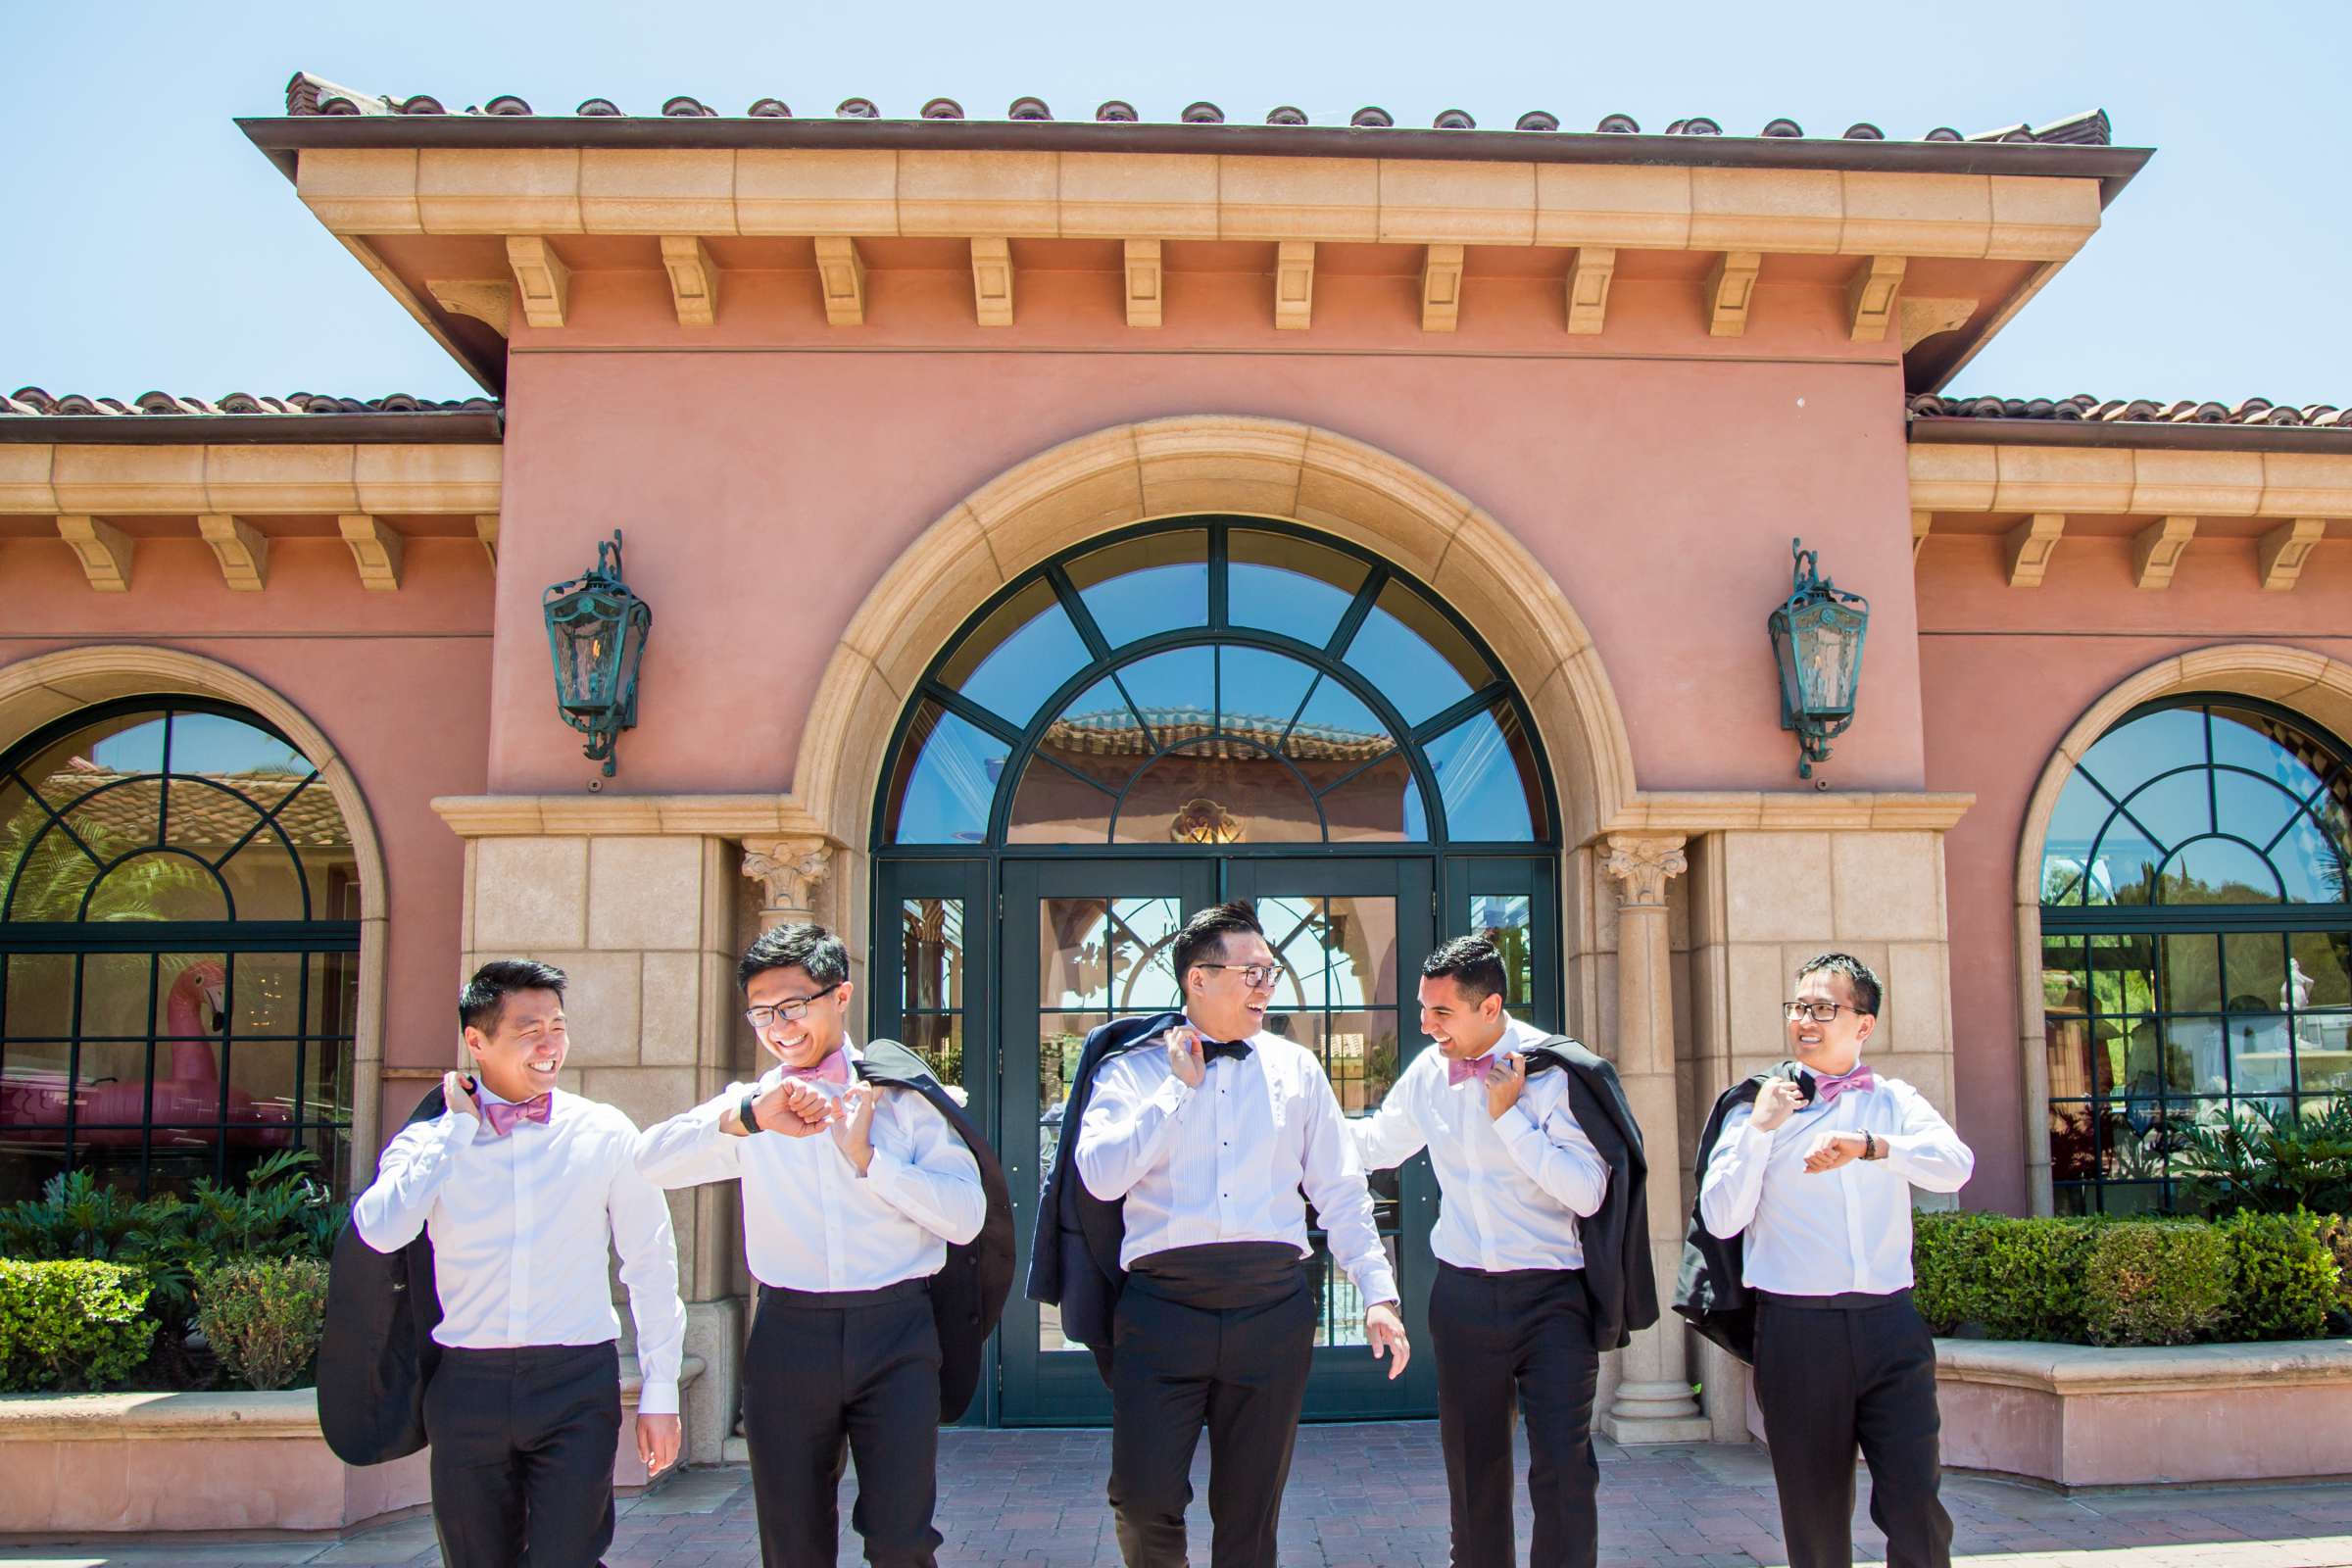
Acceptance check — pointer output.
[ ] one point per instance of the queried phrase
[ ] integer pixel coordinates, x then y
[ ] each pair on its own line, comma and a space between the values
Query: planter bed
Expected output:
97, 1463
2082, 1415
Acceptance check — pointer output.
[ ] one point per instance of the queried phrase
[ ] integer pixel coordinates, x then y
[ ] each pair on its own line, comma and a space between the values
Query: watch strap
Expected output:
744, 1113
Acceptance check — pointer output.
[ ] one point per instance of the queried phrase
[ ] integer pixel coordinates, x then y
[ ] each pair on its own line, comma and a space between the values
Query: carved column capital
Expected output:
1641, 865
789, 868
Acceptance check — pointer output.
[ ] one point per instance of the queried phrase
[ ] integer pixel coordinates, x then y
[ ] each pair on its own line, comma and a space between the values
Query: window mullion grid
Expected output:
1429, 729
1357, 609
1075, 606
1220, 558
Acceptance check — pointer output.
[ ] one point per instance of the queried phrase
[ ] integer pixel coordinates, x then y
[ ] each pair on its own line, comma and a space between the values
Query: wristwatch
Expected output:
745, 1115
1870, 1146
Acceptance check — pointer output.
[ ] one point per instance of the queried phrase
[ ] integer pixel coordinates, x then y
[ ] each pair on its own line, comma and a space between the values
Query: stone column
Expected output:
1654, 1402
789, 868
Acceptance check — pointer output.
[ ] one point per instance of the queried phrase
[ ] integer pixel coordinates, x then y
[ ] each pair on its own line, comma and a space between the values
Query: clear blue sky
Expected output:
150, 246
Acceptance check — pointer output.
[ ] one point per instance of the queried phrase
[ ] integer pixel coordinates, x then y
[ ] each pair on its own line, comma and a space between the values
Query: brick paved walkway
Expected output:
1374, 1496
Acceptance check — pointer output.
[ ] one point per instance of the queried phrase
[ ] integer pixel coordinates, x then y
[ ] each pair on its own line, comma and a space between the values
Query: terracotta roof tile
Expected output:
306, 94
2139, 410
33, 400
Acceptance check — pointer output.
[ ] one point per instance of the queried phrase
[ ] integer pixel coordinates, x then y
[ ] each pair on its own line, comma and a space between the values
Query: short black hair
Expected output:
1207, 932
483, 1001
1471, 962
809, 948
1868, 993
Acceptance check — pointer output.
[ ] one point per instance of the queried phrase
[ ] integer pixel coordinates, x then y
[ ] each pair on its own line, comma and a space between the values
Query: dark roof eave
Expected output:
283, 137
256, 429
2128, 434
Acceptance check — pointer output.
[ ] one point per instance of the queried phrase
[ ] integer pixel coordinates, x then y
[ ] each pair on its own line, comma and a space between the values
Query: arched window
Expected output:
2196, 939
1221, 685
180, 929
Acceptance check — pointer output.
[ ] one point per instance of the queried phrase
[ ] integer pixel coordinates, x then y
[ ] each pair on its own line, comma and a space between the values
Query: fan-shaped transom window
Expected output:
179, 935
1227, 683
2197, 941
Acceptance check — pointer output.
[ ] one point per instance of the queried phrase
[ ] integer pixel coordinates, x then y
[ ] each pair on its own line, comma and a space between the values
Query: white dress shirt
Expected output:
1512, 1187
1226, 1161
1847, 1229
810, 1221
521, 1227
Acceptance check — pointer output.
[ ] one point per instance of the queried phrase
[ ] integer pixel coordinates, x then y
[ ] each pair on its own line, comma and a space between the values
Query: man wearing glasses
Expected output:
1810, 1168
852, 1195
1207, 1144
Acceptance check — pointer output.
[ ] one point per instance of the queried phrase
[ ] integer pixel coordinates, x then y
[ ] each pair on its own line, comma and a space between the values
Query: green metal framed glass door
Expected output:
1084, 941
1352, 934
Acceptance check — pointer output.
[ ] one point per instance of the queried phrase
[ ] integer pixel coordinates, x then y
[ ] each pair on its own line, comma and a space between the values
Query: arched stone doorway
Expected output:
940, 920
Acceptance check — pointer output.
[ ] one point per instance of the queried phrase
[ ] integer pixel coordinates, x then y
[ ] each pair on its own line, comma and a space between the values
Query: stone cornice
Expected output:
734, 816
2232, 480
332, 477
1695, 812
874, 193
2080, 1369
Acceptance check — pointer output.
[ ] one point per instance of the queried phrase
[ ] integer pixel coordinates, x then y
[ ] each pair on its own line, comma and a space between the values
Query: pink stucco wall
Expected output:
768, 474
2006, 674
397, 681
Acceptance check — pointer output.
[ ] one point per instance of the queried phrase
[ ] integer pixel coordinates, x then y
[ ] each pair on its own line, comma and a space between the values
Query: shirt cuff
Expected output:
463, 1129
1516, 1124
657, 1397
1760, 1136
1172, 1096
1375, 1283
883, 1170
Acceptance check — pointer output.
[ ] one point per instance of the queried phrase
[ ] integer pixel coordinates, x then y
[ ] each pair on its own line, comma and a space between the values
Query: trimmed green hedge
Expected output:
2132, 1282
70, 1325
264, 1316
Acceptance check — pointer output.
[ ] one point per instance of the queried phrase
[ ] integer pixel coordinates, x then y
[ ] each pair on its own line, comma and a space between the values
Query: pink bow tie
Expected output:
502, 1116
1476, 1067
834, 1069
1826, 1088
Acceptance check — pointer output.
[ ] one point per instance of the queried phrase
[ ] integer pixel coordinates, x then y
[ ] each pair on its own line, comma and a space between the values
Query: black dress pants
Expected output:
522, 1446
829, 1369
1840, 1370
1521, 1337
1219, 1335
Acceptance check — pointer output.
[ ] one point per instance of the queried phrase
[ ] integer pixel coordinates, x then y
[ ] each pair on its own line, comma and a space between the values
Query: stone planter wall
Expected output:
2082, 1415
99, 1463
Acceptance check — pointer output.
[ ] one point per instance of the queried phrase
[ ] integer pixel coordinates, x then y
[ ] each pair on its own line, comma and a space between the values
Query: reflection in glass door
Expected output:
1084, 941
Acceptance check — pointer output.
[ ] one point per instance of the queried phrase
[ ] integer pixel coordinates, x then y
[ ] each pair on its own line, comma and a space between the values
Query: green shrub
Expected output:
280, 1211
1992, 1277
70, 1325
2336, 1234
2155, 1282
2283, 1279
262, 1318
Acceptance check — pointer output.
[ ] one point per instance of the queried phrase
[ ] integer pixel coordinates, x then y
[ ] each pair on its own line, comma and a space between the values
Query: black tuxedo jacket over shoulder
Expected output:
1074, 1258
967, 1295
1709, 1291
377, 1353
1619, 1276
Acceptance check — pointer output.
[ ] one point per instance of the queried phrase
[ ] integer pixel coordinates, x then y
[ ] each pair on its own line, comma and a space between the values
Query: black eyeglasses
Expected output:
1817, 1012
791, 1011
1254, 975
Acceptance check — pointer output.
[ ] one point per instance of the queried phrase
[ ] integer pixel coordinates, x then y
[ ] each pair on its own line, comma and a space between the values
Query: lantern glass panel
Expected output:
1829, 649
589, 635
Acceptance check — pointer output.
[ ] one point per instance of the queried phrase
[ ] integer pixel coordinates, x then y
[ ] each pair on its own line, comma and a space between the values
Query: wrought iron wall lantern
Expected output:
596, 630
1816, 641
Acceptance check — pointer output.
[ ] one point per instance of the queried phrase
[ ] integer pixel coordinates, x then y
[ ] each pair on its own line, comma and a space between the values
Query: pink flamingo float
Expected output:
186, 1105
